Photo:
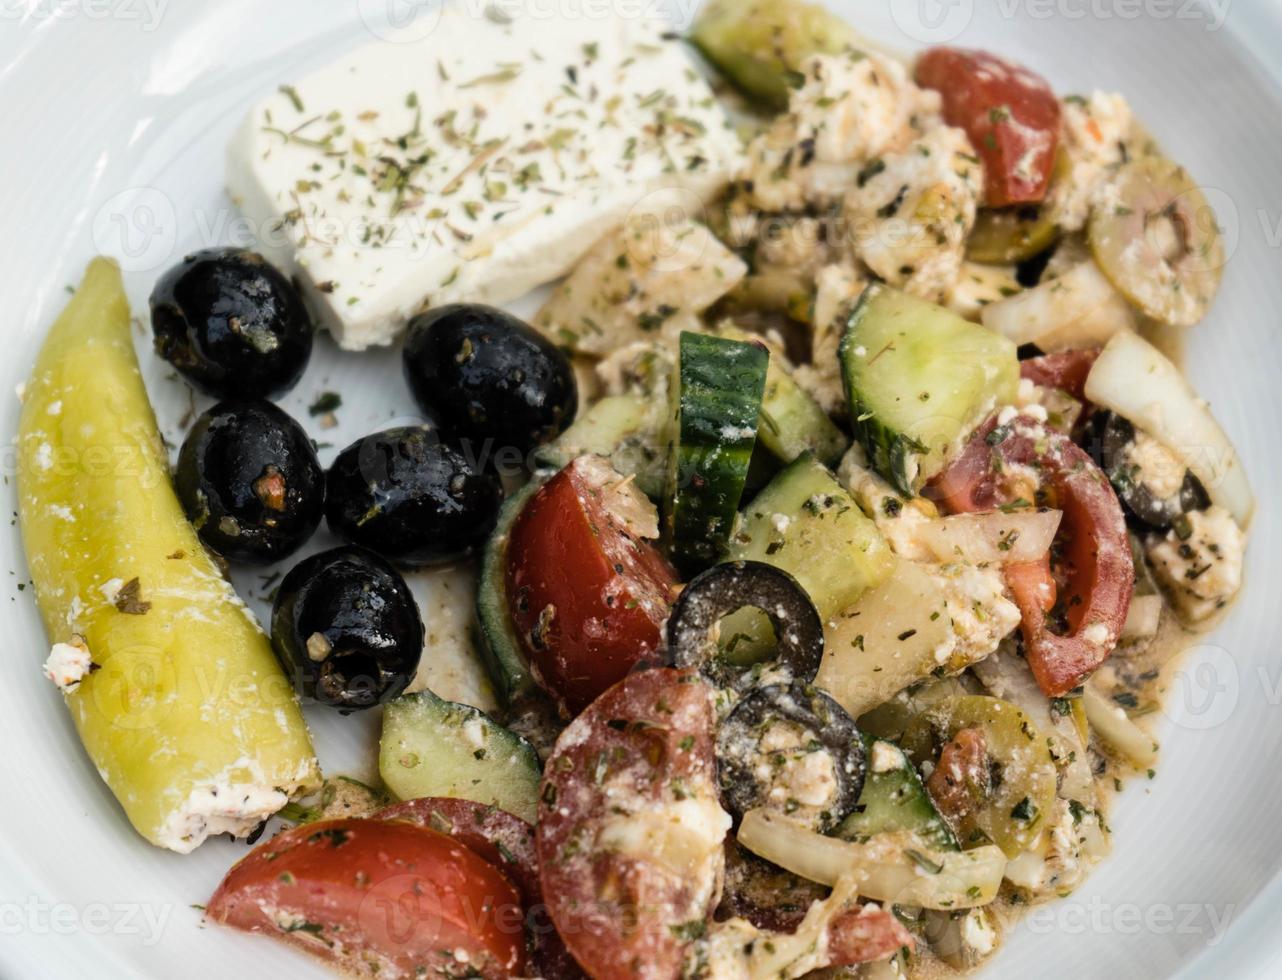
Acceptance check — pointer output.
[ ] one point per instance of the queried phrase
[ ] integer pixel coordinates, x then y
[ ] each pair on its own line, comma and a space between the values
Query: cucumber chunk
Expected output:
918, 378
432, 747
761, 45
499, 647
894, 799
806, 523
791, 421
717, 394
626, 430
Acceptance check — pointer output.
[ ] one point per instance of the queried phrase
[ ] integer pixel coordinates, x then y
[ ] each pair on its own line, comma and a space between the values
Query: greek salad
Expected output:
833, 523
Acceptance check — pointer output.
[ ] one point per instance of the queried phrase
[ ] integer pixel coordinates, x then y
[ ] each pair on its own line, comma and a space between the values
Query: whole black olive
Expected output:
231, 324
412, 499
489, 378
1111, 440
735, 585
347, 630
791, 748
250, 482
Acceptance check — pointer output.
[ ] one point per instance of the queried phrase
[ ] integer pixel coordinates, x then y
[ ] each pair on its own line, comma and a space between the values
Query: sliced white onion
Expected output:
1116, 730
1143, 618
1135, 380
893, 868
995, 539
1078, 309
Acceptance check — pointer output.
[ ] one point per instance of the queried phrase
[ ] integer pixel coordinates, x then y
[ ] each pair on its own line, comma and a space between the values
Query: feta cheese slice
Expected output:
474, 163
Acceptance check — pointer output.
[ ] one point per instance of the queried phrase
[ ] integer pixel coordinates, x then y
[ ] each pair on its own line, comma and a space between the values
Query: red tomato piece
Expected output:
865, 935
1065, 370
507, 842
960, 780
1094, 551
1010, 114
587, 594
378, 898
630, 833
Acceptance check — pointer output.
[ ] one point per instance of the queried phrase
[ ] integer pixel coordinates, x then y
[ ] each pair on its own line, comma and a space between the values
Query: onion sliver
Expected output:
1117, 731
1135, 380
995, 538
1078, 309
1143, 618
893, 868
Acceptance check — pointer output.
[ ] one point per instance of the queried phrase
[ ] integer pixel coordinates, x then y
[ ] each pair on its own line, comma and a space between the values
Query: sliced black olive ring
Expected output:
824, 725
1115, 437
729, 587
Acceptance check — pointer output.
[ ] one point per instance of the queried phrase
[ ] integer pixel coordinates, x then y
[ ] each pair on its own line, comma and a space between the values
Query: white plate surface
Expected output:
116, 114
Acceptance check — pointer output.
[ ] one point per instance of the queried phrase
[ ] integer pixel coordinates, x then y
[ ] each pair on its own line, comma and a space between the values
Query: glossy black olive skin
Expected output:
733, 585
232, 324
1110, 436
347, 630
411, 498
489, 378
250, 482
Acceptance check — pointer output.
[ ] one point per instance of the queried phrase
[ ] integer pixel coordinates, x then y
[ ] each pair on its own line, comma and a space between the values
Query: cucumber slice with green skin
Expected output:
717, 393
894, 799
761, 45
791, 421
626, 430
432, 747
918, 378
808, 524
499, 647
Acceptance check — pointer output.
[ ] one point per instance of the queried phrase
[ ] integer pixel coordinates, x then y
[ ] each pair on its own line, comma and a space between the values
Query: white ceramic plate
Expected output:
115, 116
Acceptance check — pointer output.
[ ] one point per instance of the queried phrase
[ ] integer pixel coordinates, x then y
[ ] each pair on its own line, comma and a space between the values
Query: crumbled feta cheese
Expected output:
223, 805
909, 221
44, 457
886, 757
1161, 471
897, 519
68, 664
981, 614
683, 836
653, 276
855, 107
1201, 569
1094, 135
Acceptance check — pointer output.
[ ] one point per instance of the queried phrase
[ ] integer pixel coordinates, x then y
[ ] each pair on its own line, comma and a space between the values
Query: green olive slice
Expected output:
1156, 238
1003, 236
1018, 809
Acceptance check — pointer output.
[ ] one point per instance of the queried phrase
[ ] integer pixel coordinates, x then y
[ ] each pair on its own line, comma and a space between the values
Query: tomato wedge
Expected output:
866, 935
507, 842
1010, 114
587, 593
630, 833
378, 898
1095, 555
1065, 370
